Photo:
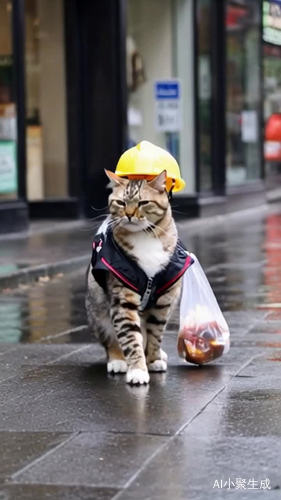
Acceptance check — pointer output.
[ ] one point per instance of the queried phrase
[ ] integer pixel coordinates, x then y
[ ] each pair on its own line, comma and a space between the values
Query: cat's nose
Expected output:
129, 213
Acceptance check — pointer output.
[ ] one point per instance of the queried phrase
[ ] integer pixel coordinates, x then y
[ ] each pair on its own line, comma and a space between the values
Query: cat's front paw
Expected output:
116, 366
159, 365
137, 376
163, 355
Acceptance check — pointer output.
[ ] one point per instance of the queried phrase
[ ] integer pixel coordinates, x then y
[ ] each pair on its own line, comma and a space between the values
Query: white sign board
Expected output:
249, 126
167, 95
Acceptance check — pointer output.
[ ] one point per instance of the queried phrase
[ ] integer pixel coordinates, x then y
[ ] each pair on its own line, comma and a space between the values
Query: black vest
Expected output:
107, 257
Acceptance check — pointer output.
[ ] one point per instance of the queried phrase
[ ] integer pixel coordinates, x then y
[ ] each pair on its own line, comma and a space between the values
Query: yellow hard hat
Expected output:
145, 161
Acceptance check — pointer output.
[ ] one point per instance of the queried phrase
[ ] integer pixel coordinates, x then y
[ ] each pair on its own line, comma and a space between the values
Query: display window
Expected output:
160, 78
272, 91
46, 136
8, 109
243, 76
204, 92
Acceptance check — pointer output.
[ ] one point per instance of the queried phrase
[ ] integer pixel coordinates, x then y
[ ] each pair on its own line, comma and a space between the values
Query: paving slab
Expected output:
18, 449
97, 459
190, 464
247, 408
61, 492
5, 348
78, 398
17, 361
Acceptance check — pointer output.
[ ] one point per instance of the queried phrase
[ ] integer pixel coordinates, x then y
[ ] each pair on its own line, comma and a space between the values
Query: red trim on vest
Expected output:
175, 278
120, 276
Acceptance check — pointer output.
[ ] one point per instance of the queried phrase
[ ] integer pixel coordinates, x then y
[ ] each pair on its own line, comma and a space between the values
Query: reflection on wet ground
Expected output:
242, 260
7, 269
49, 309
42, 248
60, 410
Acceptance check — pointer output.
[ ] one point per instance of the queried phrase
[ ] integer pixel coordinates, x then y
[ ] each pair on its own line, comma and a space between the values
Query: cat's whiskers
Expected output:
112, 223
152, 229
98, 217
148, 230
155, 229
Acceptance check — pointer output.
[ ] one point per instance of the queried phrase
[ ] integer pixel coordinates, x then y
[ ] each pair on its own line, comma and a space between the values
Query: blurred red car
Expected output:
272, 144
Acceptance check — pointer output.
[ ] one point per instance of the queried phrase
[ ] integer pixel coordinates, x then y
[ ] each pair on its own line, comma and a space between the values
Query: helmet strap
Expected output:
170, 193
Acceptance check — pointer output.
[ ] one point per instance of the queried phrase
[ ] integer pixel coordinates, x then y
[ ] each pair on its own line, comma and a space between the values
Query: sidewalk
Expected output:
69, 431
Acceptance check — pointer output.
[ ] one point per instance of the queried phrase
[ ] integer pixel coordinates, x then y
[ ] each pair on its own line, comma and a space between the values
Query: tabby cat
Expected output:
142, 225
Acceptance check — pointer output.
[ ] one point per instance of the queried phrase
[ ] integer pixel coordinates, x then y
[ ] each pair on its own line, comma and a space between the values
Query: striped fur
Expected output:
142, 223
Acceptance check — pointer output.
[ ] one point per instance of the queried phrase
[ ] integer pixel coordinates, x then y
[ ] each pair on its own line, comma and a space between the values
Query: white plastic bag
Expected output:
204, 334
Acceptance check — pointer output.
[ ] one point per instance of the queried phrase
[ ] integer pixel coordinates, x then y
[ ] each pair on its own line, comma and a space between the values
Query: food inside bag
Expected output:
204, 334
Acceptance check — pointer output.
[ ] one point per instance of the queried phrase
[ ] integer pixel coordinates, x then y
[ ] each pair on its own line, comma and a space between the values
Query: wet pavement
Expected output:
70, 431
43, 252
43, 245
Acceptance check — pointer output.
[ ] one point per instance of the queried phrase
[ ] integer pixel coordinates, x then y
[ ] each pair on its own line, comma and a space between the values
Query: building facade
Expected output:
272, 93
82, 80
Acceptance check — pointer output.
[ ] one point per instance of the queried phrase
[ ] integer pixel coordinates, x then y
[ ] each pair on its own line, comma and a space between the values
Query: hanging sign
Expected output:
272, 22
8, 167
167, 95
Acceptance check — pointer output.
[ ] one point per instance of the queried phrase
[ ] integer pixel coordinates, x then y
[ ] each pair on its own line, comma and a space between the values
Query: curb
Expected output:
29, 275
35, 229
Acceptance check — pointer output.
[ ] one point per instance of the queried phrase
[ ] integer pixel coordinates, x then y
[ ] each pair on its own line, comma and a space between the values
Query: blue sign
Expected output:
167, 89
167, 95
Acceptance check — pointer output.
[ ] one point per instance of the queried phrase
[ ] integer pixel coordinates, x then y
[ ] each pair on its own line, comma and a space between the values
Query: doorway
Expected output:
243, 91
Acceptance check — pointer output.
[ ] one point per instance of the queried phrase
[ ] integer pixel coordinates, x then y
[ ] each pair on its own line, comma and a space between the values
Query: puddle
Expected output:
43, 310
6, 269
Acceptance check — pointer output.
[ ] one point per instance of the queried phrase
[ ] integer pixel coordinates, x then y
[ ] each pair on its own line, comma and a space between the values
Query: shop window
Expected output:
243, 91
272, 91
204, 78
160, 78
45, 100
8, 110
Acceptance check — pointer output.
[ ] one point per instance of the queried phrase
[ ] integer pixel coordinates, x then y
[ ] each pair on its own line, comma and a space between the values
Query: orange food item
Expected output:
201, 344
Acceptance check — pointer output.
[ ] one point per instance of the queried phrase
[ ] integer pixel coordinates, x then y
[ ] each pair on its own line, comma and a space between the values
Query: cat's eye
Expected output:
121, 203
141, 203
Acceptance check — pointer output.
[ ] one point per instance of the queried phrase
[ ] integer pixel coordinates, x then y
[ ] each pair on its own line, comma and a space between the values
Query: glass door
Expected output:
243, 91
46, 143
204, 78
160, 78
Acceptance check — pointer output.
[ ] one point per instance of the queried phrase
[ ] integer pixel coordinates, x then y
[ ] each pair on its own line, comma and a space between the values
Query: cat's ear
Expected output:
114, 178
159, 182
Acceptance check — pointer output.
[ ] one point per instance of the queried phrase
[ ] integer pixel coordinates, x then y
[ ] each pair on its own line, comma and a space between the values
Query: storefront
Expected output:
159, 78
82, 80
33, 161
272, 92
212, 52
62, 106
13, 208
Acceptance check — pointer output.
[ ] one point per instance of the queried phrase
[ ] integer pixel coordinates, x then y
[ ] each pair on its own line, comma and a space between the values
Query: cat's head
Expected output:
138, 204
